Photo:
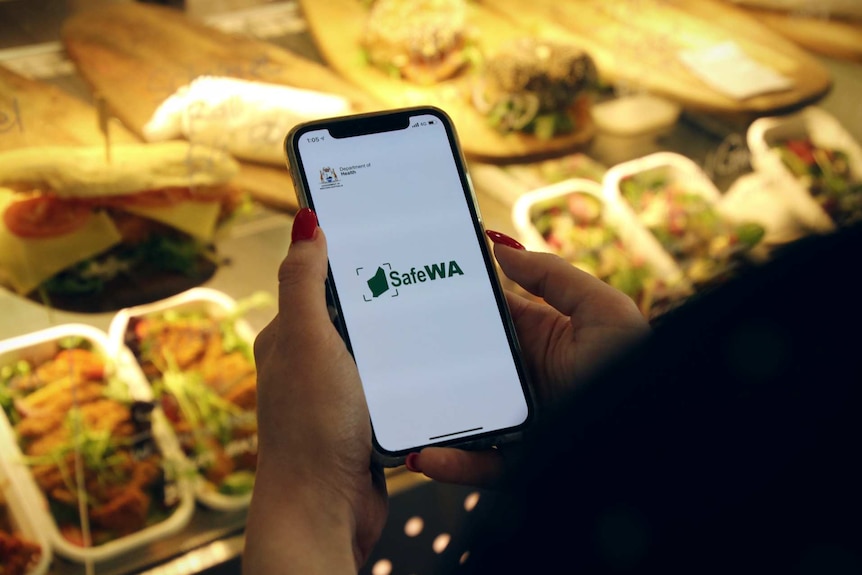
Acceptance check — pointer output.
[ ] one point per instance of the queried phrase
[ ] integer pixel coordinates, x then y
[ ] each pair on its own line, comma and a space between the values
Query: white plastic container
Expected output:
754, 198
527, 206
683, 173
637, 240
42, 345
216, 304
22, 516
825, 131
680, 170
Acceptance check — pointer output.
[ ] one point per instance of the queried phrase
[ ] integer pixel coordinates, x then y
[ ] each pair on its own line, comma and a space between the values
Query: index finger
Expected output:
555, 280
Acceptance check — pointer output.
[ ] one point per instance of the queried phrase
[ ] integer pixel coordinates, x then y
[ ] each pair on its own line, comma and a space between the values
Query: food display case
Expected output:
753, 110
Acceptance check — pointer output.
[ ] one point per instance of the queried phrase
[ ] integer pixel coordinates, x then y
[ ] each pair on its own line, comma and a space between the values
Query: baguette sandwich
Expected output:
75, 227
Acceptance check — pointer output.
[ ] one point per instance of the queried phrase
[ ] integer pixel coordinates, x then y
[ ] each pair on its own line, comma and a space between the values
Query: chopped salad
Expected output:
89, 445
686, 224
573, 227
203, 375
827, 174
17, 553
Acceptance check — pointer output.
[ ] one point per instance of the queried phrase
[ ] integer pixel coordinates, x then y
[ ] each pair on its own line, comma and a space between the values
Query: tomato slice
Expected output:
804, 149
45, 217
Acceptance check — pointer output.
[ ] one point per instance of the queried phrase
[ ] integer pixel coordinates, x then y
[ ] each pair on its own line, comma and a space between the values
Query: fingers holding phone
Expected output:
581, 323
307, 379
418, 301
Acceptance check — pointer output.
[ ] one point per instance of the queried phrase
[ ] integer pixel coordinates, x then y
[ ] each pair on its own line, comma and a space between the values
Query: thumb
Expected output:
549, 277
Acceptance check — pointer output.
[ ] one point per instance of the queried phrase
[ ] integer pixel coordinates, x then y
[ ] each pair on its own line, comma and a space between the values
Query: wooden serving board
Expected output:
337, 26
135, 55
637, 44
33, 113
833, 37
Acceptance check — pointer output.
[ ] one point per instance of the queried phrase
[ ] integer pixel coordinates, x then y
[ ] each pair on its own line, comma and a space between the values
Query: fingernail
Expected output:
411, 464
304, 225
504, 240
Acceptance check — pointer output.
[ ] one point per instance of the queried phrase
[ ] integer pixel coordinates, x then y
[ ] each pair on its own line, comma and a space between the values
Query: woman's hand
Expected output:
583, 322
319, 505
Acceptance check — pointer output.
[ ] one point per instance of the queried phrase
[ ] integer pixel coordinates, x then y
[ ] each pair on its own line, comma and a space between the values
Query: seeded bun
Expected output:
421, 40
530, 78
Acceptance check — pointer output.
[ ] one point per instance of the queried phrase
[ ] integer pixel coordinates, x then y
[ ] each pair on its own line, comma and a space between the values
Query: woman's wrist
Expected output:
297, 524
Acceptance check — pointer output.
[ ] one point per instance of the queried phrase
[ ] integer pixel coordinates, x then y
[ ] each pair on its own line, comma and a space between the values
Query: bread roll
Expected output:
248, 119
86, 172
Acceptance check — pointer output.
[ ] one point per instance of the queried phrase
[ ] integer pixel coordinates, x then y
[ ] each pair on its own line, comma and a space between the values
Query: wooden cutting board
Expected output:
33, 113
337, 25
136, 55
636, 44
833, 37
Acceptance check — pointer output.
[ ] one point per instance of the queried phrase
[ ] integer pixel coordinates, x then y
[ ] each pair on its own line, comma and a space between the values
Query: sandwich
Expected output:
247, 118
81, 232
536, 86
421, 41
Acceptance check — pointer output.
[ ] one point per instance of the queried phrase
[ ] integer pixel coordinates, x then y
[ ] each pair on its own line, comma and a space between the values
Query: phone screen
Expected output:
414, 283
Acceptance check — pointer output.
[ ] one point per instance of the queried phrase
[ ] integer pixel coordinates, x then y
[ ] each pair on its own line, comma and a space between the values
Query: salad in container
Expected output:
572, 219
24, 550
816, 161
80, 431
553, 170
672, 198
196, 351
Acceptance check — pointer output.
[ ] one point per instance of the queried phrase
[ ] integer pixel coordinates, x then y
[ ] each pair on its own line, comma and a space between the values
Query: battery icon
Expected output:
430, 121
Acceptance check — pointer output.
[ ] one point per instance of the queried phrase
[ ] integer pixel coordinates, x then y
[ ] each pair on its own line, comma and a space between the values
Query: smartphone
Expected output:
413, 287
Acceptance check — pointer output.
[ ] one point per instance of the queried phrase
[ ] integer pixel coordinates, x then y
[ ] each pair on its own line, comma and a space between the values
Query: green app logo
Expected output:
386, 278
378, 284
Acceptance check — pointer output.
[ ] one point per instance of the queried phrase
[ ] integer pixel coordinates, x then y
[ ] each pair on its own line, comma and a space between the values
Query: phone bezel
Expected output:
391, 120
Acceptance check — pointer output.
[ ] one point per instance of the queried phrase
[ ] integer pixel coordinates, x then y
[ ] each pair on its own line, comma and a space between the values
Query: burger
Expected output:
421, 41
86, 233
536, 86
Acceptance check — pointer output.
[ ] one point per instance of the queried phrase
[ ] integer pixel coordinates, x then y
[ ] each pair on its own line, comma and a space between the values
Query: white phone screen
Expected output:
414, 291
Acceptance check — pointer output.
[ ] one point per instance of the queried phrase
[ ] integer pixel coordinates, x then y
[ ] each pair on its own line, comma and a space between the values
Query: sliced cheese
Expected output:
27, 262
198, 219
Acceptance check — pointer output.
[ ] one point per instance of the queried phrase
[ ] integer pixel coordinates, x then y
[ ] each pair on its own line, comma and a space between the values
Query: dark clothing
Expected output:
728, 442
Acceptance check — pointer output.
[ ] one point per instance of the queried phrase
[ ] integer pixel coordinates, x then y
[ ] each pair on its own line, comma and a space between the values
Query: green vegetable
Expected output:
794, 163
629, 280
828, 176
635, 188
200, 405
750, 234
237, 483
545, 126
165, 252
231, 341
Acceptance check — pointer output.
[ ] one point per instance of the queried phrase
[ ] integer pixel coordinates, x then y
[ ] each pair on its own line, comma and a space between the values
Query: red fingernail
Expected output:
504, 240
410, 463
304, 225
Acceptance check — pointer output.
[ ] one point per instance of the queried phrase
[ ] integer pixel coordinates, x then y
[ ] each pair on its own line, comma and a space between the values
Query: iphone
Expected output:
413, 287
